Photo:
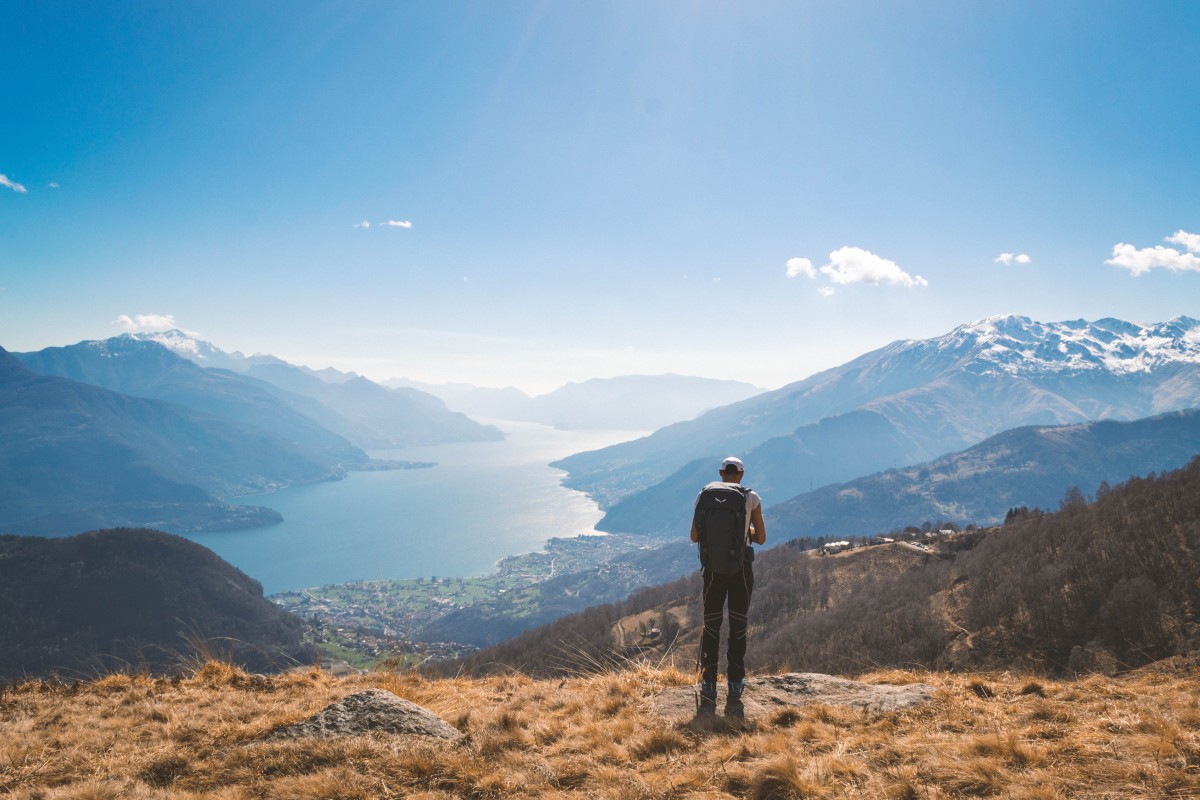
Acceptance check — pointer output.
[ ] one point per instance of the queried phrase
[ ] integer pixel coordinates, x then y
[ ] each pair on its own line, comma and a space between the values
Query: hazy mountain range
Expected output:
126, 431
146, 369
364, 412
70, 447
903, 404
628, 402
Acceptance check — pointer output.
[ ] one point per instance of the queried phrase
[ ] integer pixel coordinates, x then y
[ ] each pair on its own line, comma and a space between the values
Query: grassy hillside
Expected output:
204, 735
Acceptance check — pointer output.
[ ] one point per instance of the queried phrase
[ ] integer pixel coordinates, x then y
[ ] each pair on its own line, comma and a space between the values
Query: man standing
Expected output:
727, 519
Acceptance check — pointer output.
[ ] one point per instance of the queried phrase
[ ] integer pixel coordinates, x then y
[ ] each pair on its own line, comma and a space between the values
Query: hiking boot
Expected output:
708, 692
736, 688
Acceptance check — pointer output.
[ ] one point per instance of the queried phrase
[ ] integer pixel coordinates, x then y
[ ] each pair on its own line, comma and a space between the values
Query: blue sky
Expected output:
592, 189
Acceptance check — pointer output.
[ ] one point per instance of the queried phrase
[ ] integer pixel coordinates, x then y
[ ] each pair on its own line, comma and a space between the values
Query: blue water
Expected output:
483, 501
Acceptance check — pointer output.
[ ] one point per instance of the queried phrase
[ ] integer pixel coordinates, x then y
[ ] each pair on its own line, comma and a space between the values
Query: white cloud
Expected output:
800, 266
849, 265
854, 265
1013, 258
53, 184
146, 322
396, 223
364, 224
1141, 261
1191, 241
16, 187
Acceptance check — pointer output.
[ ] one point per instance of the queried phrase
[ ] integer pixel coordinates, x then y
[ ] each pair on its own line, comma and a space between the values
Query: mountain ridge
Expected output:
1030, 466
938, 395
356, 408
74, 447
143, 368
623, 402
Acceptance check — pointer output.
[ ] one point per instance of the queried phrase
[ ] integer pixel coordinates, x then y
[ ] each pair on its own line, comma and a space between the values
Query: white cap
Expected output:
732, 461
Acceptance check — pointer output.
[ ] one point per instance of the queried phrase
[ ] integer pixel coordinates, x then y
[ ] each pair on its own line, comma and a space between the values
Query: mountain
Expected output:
144, 368
629, 402
378, 417
208, 355
1026, 467
69, 447
446, 391
905, 403
367, 414
132, 599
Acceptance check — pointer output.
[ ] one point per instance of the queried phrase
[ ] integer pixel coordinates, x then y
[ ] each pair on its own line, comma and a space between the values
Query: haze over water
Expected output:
483, 501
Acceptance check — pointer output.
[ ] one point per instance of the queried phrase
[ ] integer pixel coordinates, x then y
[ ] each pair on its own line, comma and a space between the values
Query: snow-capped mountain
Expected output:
364, 412
207, 354
905, 403
192, 348
145, 369
1019, 345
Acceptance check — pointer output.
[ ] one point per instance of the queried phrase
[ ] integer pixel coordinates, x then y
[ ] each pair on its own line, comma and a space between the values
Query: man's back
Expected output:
727, 518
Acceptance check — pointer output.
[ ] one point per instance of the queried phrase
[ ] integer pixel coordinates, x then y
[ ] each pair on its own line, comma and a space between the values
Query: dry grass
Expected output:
204, 736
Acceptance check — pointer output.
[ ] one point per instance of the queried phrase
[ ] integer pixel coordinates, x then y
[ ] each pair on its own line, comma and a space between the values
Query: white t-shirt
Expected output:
753, 501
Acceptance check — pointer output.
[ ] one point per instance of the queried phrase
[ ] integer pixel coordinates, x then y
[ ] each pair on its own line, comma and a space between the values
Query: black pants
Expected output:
735, 587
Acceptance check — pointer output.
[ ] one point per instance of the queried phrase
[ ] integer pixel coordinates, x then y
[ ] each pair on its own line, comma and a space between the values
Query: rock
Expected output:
372, 710
769, 694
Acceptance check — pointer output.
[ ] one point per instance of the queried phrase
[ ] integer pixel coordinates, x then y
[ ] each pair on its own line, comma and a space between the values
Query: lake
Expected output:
483, 501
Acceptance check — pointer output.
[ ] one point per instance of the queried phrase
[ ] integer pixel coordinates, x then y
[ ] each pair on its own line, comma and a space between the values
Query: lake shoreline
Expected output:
480, 503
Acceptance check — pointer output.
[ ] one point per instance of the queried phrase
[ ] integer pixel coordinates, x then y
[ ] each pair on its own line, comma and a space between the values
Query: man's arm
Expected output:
695, 536
759, 536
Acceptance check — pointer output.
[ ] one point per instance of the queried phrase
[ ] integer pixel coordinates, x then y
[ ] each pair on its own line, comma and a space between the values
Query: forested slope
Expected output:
132, 599
1101, 586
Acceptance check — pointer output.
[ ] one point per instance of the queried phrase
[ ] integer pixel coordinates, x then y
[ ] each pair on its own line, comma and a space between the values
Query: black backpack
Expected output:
720, 521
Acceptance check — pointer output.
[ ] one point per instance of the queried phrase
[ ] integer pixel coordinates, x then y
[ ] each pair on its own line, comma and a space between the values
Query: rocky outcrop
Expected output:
370, 711
766, 695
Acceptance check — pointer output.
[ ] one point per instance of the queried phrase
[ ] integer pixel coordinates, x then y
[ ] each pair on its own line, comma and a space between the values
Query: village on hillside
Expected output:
366, 623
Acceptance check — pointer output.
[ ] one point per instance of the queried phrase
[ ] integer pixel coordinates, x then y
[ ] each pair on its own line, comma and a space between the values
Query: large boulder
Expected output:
369, 711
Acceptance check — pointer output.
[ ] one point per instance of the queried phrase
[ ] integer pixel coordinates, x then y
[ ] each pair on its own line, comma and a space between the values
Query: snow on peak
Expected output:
185, 344
1015, 344
174, 340
189, 346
